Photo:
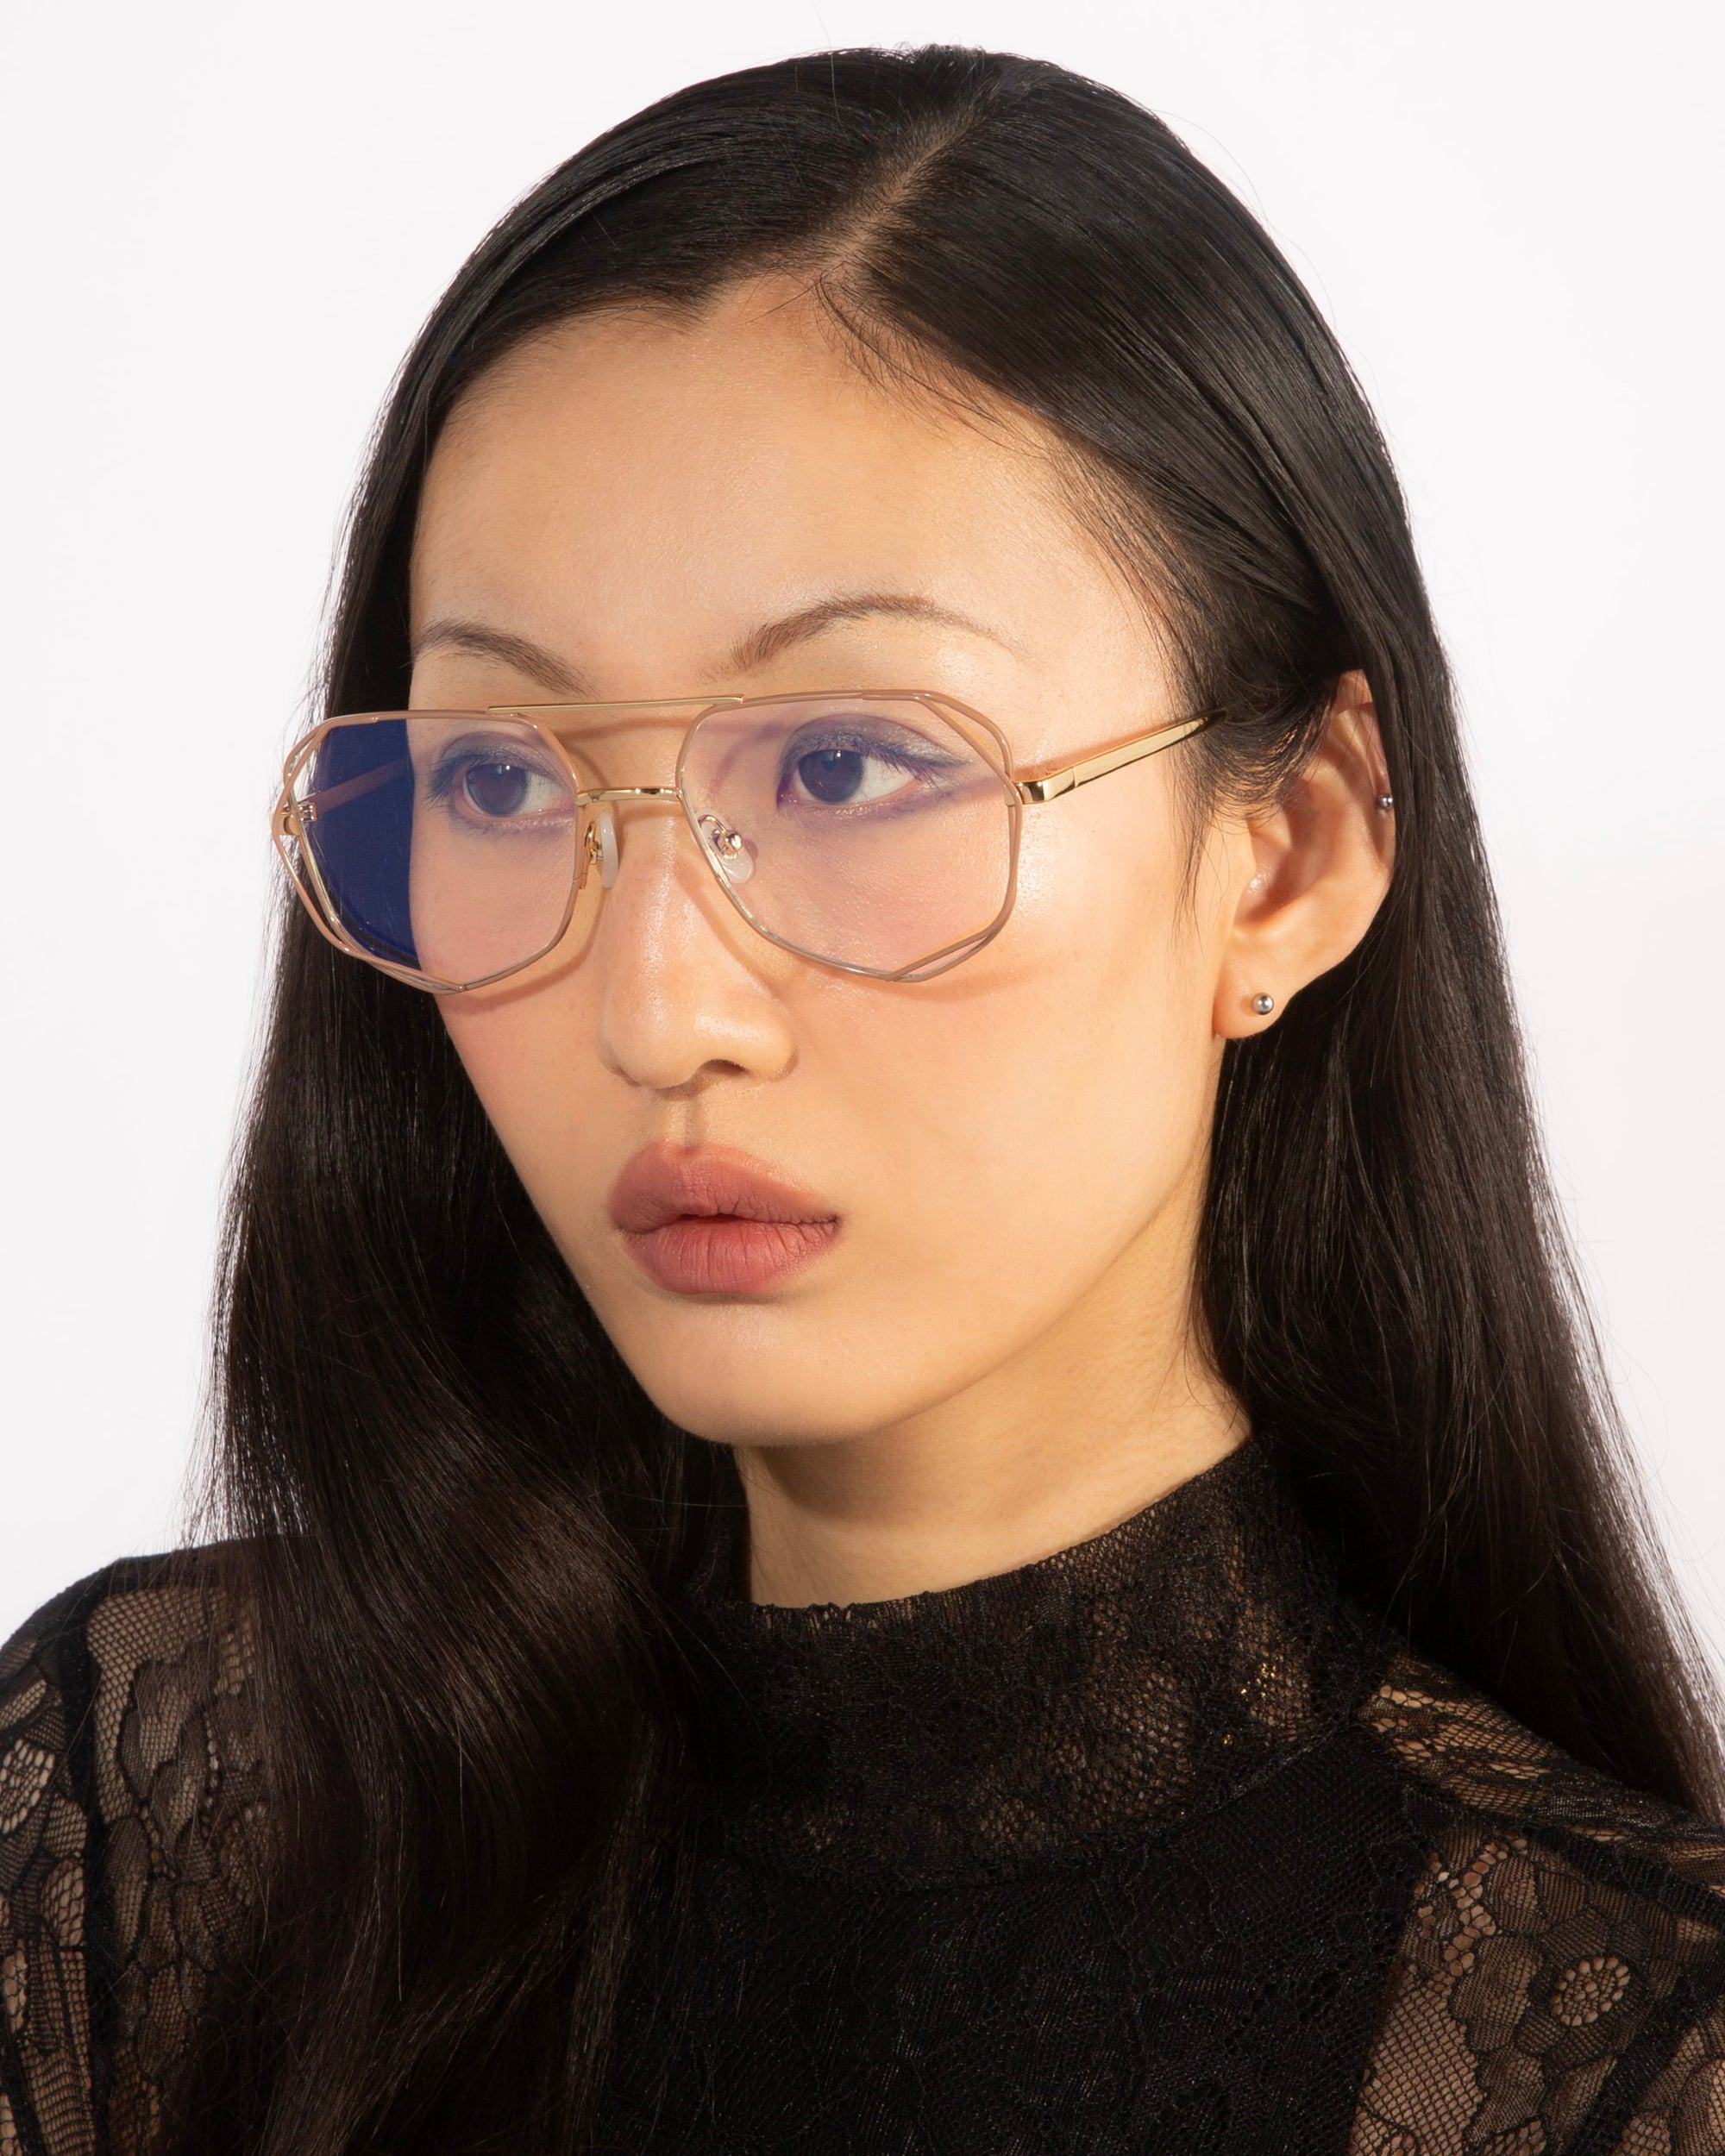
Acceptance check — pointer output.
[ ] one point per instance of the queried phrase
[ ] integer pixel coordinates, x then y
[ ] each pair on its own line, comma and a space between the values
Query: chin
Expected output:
734, 1376
784, 1405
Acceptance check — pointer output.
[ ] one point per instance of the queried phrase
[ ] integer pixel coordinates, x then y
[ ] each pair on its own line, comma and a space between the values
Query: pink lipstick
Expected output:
709, 1220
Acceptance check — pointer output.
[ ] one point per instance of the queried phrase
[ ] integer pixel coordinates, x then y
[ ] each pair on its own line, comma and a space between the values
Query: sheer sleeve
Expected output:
46, 2082
1682, 2111
128, 1848
1559, 1981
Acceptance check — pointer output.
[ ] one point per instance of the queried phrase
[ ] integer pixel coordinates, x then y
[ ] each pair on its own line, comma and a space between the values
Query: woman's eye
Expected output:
498, 787
845, 777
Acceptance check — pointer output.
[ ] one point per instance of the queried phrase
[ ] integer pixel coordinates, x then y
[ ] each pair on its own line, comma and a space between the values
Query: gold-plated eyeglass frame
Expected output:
1021, 790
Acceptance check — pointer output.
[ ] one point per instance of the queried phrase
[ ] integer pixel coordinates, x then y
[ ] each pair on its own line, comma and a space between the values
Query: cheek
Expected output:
1052, 1104
531, 1058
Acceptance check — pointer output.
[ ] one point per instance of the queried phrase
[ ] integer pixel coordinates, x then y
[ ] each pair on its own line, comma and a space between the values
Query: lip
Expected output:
710, 1220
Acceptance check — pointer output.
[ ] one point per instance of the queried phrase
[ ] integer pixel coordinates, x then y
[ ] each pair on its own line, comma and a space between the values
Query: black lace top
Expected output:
1155, 1846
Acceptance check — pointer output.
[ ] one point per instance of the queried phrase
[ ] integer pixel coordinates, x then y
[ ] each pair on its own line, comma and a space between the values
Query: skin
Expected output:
996, 1357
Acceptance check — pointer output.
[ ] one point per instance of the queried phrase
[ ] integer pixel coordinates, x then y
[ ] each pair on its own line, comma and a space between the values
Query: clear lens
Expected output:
446, 843
870, 831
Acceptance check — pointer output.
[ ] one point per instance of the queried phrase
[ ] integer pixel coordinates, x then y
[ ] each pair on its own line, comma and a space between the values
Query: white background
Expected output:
223, 224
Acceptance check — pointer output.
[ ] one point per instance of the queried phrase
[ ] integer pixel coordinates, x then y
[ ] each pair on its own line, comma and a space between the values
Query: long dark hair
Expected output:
458, 1517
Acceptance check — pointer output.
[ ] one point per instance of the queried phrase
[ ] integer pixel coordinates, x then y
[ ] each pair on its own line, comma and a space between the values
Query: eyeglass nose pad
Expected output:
605, 824
730, 849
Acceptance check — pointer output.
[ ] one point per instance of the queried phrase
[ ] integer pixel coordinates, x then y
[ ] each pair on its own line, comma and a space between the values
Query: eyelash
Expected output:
883, 752
454, 762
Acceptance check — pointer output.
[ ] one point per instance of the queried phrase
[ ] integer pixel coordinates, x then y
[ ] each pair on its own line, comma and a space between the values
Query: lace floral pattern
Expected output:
1085, 1701
1156, 1848
1559, 1919
129, 1811
44, 1984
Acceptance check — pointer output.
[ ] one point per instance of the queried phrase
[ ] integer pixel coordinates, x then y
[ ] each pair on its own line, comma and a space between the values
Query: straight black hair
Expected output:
457, 1518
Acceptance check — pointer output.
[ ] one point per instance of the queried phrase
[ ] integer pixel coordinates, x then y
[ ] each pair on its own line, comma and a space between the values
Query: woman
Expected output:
909, 1461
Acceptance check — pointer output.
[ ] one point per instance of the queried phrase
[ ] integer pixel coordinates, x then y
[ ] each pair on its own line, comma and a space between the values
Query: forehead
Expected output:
642, 474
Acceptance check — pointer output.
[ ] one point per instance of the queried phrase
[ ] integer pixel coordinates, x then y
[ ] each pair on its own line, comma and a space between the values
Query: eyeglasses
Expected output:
874, 833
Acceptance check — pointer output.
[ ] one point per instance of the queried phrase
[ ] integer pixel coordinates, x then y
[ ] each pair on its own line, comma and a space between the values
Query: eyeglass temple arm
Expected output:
1053, 784
311, 806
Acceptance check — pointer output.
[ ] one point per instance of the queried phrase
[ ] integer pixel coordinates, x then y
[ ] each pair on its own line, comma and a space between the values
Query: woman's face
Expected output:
645, 505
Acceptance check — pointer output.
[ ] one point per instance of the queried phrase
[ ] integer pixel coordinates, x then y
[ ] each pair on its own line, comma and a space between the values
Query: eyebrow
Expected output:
761, 644
527, 657
772, 637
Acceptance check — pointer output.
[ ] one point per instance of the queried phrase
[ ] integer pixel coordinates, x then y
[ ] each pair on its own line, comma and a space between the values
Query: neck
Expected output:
1103, 1415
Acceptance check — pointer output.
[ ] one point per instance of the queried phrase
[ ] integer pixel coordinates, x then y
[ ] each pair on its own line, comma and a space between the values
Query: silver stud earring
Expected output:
1263, 1005
1386, 802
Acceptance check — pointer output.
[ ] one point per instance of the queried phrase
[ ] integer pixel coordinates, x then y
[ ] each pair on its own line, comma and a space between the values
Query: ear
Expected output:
1312, 872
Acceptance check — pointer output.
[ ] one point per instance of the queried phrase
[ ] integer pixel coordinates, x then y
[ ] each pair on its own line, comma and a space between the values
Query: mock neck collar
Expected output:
1105, 1692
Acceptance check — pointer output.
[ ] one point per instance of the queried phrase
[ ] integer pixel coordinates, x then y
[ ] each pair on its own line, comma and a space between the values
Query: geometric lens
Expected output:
867, 831
446, 842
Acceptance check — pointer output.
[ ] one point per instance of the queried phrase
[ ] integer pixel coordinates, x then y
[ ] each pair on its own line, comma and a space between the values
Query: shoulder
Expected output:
130, 1682
1463, 1745
1559, 1982
128, 1811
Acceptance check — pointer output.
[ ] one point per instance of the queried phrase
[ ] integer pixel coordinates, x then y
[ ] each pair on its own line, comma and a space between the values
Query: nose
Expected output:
688, 990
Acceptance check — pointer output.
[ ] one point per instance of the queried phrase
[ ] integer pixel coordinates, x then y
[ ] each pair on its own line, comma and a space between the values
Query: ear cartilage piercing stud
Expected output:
1263, 1005
1386, 802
